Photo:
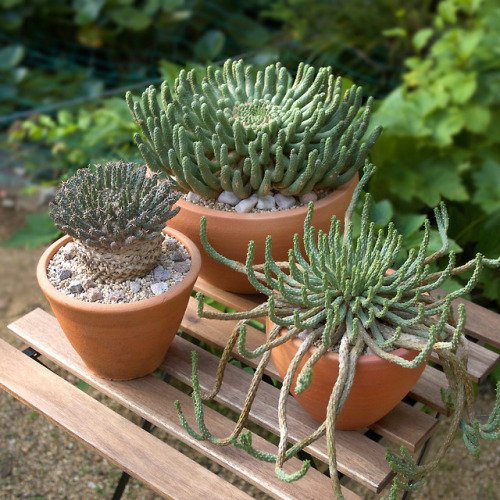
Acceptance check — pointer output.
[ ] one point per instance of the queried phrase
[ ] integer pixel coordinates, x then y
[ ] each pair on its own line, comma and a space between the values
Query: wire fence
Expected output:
80, 73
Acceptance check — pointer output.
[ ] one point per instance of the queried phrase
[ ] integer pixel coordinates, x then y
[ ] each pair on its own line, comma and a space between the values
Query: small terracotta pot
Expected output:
230, 232
121, 341
378, 387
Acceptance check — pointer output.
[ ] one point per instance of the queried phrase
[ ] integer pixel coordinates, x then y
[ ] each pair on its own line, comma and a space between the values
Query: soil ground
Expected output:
39, 461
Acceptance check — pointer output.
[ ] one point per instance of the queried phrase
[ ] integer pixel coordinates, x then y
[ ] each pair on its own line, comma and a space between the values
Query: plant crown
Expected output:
113, 205
247, 135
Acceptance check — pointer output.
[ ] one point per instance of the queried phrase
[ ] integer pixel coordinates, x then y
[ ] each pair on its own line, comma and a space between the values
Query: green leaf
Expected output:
169, 70
46, 121
461, 85
11, 56
428, 100
468, 42
448, 11
39, 230
151, 7
446, 182
397, 32
171, 5
435, 242
82, 385
446, 123
382, 212
7, 92
246, 31
452, 285
477, 118
87, 11
130, 18
65, 118
399, 116
421, 38
486, 180
209, 46
408, 224
8, 4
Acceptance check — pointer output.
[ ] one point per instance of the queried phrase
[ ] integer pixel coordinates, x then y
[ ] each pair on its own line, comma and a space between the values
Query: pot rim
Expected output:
54, 294
302, 210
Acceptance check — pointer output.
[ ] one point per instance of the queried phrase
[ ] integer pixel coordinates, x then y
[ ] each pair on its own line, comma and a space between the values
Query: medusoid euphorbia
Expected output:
338, 292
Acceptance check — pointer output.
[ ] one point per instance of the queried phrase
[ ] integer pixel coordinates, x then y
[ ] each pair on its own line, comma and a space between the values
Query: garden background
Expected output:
433, 67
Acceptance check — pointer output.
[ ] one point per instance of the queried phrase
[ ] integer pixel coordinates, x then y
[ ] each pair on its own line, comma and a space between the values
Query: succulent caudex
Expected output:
340, 292
115, 210
245, 134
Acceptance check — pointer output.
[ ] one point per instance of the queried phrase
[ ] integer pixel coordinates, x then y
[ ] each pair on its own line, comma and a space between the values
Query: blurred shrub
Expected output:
59, 145
441, 136
364, 39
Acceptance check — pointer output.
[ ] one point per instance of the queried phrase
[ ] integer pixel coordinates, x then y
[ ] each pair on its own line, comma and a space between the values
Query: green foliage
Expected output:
253, 134
366, 40
39, 230
441, 138
72, 139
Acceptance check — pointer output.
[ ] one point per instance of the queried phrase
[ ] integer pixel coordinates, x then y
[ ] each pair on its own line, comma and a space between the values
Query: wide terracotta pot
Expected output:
378, 386
230, 232
121, 341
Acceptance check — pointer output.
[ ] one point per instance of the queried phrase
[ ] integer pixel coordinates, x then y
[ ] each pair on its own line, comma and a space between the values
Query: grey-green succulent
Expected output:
339, 291
245, 134
115, 208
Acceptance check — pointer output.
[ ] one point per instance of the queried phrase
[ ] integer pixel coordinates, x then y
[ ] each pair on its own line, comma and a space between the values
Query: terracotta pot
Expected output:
230, 232
121, 341
378, 387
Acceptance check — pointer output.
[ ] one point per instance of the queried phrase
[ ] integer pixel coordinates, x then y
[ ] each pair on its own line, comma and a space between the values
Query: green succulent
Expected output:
339, 291
245, 134
115, 208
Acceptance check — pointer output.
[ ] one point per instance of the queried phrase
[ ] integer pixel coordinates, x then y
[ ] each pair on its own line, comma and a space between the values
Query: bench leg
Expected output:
31, 353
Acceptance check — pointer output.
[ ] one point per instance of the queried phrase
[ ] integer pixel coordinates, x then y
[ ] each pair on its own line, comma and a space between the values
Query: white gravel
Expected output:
274, 202
70, 276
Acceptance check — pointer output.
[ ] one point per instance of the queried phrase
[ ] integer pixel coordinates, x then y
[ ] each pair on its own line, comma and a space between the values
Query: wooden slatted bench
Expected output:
360, 455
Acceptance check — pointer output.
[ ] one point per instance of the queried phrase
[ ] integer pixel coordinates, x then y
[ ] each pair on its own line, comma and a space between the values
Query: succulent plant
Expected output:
338, 290
116, 214
233, 132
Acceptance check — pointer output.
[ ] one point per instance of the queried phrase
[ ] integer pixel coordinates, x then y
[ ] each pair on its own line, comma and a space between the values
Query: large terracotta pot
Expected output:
378, 387
230, 232
121, 341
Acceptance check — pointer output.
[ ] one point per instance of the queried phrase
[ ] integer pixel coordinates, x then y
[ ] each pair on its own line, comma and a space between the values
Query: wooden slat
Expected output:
427, 390
238, 302
481, 361
406, 426
153, 400
159, 466
482, 324
413, 426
